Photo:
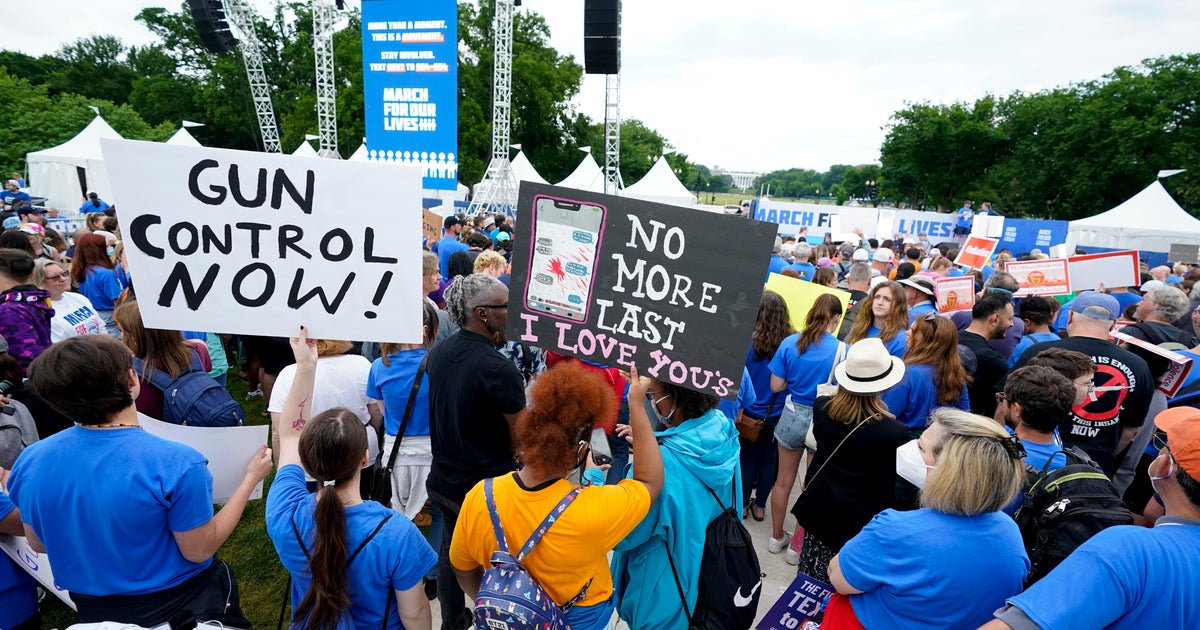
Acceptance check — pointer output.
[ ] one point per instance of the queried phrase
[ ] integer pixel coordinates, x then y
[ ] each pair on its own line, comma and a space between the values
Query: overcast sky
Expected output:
768, 84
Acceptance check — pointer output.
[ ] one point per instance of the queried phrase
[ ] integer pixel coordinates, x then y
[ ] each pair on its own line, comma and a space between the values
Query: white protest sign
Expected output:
35, 564
1112, 269
228, 450
887, 221
260, 243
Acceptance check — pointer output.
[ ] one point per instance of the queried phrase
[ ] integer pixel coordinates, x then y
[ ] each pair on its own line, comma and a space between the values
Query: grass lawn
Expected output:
260, 577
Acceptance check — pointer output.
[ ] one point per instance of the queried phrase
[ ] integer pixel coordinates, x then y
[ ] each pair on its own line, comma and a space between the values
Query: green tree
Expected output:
932, 153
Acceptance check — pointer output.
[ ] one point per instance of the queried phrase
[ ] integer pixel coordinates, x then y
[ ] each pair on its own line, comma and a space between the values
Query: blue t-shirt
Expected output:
105, 502
897, 346
777, 264
392, 384
920, 310
101, 286
449, 246
88, 207
1126, 299
1123, 577
806, 270
927, 569
964, 217
9, 197
915, 396
730, 408
955, 272
1029, 340
395, 560
18, 591
804, 372
760, 375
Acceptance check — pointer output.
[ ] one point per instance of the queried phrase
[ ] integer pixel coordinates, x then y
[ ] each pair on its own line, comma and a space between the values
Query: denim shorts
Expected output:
793, 426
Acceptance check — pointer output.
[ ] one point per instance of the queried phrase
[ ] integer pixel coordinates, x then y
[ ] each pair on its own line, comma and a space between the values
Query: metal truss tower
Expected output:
612, 135
498, 190
323, 28
241, 18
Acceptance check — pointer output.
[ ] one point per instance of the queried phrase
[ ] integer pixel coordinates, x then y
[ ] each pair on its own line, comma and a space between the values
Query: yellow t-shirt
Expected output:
575, 548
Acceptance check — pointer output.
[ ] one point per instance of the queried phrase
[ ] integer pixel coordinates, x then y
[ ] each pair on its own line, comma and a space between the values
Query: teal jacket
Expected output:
704, 451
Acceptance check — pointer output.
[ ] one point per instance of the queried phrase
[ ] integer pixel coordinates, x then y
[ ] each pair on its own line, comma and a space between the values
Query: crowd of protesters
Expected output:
913, 432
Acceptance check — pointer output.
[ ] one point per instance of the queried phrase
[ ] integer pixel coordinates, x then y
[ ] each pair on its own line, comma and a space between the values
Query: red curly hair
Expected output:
566, 401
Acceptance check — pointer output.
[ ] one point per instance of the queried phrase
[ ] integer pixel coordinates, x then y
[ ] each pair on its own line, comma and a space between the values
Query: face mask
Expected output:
663, 420
110, 251
1170, 473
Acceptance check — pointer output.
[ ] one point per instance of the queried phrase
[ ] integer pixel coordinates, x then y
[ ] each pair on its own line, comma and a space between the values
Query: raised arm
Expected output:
647, 460
297, 407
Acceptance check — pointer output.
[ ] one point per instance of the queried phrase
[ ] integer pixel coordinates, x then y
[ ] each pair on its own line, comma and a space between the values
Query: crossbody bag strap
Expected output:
770, 405
808, 481
408, 409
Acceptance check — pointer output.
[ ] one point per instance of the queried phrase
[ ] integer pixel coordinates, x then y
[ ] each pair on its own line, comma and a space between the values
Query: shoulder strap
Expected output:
491, 506
678, 585
308, 556
544, 527
408, 408
158, 378
808, 481
838, 357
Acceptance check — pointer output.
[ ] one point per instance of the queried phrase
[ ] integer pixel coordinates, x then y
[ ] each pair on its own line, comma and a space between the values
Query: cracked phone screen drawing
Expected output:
566, 237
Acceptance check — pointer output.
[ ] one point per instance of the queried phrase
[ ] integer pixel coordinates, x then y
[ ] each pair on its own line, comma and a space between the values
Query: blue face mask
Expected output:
110, 251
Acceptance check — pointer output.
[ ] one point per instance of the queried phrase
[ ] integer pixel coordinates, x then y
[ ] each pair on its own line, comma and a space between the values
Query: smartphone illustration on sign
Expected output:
566, 237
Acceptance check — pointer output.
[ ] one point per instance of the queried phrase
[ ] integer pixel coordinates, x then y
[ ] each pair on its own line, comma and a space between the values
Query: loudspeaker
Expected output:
602, 36
209, 16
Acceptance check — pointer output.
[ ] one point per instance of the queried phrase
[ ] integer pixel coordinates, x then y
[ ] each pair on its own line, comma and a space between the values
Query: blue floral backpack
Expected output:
509, 598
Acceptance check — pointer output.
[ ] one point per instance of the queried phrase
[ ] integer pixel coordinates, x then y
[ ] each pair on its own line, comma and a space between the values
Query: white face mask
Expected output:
663, 420
1170, 470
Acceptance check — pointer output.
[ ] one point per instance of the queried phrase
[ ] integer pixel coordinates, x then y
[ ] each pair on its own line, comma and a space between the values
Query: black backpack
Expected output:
730, 578
1063, 508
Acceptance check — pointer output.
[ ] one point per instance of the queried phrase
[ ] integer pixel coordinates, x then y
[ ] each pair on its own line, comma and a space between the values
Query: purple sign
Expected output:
802, 601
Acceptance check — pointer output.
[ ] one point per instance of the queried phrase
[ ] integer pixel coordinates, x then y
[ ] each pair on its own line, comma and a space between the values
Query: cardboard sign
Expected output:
228, 450
1176, 375
35, 564
623, 282
955, 294
800, 295
1112, 269
431, 226
801, 601
1040, 277
976, 252
260, 243
1187, 254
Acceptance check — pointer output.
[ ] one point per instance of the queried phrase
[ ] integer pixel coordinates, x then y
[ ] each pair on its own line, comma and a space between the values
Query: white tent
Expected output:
587, 176
359, 155
1149, 221
183, 138
305, 150
523, 170
660, 185
63, 174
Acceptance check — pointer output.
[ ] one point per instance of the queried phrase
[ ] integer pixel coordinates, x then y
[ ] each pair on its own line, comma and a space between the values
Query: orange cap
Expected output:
1182, 425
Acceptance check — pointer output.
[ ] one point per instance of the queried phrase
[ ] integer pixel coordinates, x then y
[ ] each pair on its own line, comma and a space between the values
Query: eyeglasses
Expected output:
932, 318
57, 277
496, 306
1159, 440
1001, 398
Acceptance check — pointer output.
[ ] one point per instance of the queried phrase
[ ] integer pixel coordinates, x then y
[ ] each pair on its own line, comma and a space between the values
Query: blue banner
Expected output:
410, 85
1022, 236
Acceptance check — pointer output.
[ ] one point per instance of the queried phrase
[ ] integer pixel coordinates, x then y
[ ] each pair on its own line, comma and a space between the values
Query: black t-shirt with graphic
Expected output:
1122, 397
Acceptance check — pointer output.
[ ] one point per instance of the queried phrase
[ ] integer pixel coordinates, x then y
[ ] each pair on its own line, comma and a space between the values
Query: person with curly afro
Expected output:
552, 434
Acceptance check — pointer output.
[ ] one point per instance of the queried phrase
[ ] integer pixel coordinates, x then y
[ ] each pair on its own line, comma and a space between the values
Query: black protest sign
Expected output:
625, 282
